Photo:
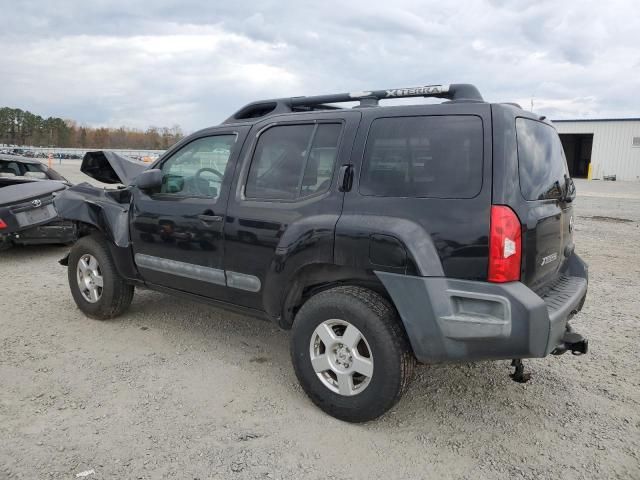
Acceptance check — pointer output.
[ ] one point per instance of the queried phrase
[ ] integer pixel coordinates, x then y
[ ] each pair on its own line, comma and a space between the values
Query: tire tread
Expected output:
392, 331
387, 313
122, 291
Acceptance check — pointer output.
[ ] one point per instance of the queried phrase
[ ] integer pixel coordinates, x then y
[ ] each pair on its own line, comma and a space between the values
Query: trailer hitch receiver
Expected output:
572, 342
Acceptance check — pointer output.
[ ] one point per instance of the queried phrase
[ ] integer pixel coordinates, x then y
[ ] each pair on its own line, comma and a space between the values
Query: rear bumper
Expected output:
57, 231
460, 320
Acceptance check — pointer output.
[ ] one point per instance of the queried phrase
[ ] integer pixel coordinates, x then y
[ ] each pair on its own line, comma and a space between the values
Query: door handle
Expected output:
345, 178
210, 218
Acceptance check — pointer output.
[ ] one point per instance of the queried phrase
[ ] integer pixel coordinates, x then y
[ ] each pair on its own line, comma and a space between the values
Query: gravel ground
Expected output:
180, 390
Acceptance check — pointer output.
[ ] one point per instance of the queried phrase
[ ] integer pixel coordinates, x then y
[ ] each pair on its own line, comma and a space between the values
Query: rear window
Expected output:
541, 162
20, 169
427, 156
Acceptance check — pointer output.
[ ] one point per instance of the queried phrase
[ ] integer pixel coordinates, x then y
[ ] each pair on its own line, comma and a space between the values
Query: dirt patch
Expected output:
177, 390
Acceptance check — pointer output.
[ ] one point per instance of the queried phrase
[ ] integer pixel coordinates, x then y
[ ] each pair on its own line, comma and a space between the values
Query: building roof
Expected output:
636, 119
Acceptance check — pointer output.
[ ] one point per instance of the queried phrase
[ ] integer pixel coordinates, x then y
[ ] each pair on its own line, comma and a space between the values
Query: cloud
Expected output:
193, 63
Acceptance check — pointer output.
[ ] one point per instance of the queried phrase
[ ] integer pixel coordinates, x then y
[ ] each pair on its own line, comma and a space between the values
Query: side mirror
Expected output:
149, 179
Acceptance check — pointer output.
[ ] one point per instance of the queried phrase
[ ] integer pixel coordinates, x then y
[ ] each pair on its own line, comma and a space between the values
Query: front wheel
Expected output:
350, 353
97, 288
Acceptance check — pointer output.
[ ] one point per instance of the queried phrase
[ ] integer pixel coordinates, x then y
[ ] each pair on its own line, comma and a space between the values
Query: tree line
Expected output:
19, 127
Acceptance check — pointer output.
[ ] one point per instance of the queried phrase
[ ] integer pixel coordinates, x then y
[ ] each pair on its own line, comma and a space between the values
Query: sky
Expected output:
193, 63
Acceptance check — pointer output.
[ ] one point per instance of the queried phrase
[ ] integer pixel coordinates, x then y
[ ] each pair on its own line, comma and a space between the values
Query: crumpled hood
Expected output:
110, 167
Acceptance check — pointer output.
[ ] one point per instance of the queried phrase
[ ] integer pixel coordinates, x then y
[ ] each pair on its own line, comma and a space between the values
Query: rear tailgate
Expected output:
544, 180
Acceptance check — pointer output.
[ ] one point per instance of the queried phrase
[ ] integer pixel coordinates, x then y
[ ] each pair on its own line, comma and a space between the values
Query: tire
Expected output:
5, 244
114, 296
391, 361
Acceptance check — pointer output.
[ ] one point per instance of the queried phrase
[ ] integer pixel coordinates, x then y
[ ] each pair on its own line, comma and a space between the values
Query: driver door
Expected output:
177, 232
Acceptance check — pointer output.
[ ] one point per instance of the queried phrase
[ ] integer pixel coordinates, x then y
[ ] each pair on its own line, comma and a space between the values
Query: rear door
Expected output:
546, 210
285, 201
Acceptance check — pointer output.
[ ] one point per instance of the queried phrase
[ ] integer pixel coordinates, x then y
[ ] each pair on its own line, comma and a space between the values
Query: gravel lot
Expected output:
180, 390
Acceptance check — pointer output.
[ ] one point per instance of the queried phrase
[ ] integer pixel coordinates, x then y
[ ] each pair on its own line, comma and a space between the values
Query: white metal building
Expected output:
609, 146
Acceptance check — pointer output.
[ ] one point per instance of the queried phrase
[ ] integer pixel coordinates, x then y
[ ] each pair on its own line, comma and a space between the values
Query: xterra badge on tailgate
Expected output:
548, 259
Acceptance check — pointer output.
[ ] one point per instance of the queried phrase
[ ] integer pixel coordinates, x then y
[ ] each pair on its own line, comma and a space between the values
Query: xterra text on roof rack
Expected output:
380, 235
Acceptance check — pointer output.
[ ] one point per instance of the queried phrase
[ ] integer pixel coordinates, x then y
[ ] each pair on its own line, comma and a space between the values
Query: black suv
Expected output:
380, 235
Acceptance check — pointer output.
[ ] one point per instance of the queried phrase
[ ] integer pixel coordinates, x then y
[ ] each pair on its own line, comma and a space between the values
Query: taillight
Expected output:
505, 245
2, 224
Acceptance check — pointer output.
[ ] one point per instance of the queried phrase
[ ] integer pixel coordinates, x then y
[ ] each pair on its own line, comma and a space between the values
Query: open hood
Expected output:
110, 167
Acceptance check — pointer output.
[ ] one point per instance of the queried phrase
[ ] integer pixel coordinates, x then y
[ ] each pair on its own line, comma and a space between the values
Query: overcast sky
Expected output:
192, 63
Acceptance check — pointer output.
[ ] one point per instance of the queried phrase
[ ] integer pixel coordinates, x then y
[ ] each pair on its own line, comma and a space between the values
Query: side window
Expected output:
293, 161
197, 169
541, 162
9, 169
429, 156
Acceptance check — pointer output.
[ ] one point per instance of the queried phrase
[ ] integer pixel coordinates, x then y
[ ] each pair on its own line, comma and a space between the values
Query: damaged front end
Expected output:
104, 209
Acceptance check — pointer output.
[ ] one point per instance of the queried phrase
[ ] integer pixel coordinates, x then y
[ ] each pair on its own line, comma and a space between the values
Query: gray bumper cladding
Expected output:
448, 319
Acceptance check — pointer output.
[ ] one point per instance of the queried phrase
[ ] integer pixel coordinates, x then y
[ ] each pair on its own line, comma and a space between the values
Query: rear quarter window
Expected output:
424, 156
541, 162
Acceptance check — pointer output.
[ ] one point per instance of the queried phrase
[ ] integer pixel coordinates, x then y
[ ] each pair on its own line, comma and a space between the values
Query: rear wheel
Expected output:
350, 353
97, 288
5, 243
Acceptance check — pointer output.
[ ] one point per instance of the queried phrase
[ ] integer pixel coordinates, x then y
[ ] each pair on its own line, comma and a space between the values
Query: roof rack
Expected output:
452, 92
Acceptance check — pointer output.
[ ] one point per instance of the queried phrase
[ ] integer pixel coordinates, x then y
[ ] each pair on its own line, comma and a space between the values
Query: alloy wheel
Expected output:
89, 275
341, 357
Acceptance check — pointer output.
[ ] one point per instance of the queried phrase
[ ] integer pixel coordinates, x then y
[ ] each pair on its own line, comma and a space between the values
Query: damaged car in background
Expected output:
27, 213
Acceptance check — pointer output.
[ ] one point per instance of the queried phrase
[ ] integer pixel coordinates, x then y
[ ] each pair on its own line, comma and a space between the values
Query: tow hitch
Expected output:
518, 375
572, 342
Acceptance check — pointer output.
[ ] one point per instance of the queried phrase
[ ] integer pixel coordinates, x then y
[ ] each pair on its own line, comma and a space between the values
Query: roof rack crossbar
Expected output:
454, 91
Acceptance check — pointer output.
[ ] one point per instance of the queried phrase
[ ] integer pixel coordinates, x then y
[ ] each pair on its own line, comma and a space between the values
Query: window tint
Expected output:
292, 161
436, 156
319, 168
541, 160
197, 169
